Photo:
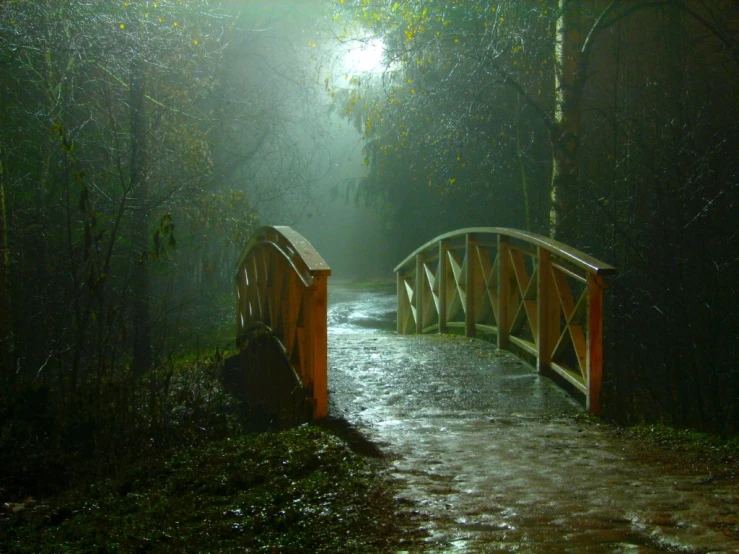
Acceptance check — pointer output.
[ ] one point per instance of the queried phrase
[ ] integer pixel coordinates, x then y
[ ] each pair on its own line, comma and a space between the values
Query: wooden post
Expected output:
469, 285
317, 336
441, 277
548, 311
419, 294
402, 304
595, 343
504, 291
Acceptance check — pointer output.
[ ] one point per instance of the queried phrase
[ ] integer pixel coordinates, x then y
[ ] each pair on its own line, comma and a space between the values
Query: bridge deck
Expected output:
496, 458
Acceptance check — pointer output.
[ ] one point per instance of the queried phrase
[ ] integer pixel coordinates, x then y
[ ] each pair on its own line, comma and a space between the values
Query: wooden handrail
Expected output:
281, 282
536, 293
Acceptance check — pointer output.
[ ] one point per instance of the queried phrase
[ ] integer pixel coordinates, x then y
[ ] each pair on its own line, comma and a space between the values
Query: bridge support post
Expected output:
469, 285
594, 364
403, 305
316, 331
420, 276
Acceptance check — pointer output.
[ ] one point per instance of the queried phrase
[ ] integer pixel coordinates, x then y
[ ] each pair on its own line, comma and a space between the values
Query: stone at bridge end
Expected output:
270, 394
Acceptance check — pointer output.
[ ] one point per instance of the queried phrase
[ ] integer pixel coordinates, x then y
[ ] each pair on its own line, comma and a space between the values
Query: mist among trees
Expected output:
141, 143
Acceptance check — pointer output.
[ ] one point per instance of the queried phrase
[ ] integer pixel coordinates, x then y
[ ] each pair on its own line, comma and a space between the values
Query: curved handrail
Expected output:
572, 255
533, 292
281, 282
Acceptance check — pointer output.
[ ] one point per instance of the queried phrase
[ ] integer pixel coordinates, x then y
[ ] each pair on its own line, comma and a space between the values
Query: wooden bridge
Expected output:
536, 296
488, 455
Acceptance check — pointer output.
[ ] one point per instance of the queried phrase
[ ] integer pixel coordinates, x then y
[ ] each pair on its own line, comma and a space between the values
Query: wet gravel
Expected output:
494, 458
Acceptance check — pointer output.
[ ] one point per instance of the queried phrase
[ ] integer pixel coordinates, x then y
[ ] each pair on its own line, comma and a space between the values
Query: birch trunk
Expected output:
565, 133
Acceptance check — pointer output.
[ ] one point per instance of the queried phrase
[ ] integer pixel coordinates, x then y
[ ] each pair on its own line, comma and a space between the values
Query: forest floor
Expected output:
493, 458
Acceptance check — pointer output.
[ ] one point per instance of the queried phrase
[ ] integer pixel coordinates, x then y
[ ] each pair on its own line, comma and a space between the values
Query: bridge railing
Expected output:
533, 292
281, 282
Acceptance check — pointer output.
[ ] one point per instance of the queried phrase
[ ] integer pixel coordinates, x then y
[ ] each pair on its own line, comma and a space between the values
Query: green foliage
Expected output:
445, 120
296, 491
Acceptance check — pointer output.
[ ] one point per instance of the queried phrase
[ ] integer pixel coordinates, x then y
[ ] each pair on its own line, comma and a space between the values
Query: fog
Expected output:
142, 143
311, 179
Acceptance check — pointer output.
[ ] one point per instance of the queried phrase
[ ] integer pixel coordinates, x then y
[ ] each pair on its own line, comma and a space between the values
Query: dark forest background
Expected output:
141, 142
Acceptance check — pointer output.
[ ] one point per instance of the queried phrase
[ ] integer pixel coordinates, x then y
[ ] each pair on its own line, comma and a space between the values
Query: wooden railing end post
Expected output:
594, 363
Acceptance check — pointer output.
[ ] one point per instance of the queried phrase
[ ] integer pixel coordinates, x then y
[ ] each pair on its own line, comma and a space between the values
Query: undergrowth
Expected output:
301, 490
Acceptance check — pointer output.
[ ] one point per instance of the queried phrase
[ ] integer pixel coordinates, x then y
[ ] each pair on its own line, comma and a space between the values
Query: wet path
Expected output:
496, 459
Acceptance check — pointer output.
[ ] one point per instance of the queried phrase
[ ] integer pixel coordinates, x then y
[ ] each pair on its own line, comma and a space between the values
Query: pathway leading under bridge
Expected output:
495, 458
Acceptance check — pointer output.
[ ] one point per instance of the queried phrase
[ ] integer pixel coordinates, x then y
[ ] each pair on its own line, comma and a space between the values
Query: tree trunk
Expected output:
7, 340
140, 244
565, 133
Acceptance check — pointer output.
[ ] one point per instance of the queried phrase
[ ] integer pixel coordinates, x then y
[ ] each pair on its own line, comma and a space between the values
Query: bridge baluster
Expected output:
442, 276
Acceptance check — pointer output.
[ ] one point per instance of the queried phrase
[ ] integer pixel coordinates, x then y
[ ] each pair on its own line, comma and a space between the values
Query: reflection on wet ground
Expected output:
496, 459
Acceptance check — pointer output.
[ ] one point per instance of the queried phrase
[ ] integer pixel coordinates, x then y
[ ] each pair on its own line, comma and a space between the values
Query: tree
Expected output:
630, 109
105, 130
490, 46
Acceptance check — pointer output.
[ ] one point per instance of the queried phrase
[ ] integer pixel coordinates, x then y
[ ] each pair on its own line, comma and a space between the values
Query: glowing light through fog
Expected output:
365, 57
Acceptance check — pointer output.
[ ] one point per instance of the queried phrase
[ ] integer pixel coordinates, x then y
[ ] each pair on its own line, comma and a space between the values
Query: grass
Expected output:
301, 490
685, 440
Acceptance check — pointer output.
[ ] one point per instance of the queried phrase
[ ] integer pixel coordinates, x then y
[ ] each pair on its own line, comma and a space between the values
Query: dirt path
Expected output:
496, 459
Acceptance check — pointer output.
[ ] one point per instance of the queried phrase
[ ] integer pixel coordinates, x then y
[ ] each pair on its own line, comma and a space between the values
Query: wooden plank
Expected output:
442, 278
505, 291
564, 294
482, 272
402, 305
429, 297
527, 292
570, 376
548, 312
